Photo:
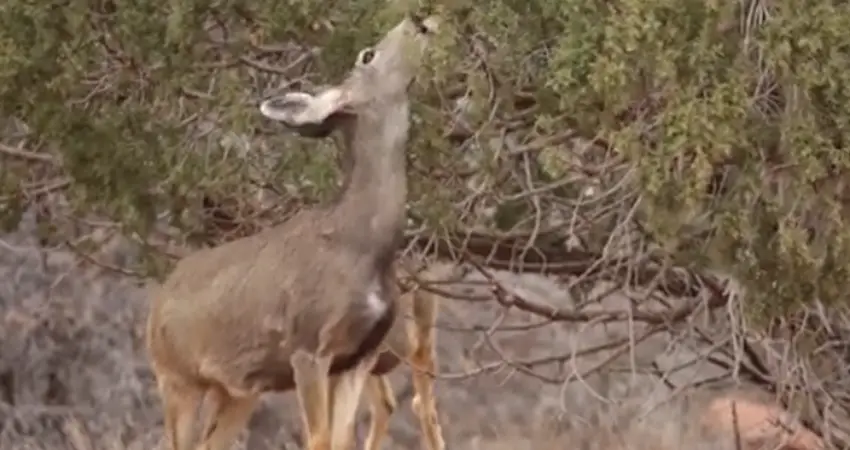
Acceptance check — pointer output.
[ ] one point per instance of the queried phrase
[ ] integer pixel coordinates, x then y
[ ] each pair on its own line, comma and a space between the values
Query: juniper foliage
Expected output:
709, 134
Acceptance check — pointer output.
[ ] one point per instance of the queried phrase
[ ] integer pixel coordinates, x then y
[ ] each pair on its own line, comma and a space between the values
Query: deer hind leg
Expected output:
348, 388
382, 404
420, 334
225, 418
180, 405
312, 385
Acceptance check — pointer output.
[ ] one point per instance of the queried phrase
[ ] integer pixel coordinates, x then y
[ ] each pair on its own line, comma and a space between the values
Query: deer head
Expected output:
377, 83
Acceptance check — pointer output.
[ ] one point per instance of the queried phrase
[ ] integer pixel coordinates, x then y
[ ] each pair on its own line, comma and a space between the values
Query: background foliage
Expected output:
699, 134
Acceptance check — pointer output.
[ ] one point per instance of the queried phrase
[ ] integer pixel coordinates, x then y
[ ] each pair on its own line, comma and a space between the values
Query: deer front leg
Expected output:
382, 403
348, 388
180, 402
311, 384
226, 417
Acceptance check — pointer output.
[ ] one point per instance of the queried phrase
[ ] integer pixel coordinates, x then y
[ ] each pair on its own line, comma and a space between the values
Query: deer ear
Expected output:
308, 114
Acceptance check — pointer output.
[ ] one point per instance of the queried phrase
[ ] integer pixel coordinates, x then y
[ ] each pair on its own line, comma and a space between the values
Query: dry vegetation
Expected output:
74, 376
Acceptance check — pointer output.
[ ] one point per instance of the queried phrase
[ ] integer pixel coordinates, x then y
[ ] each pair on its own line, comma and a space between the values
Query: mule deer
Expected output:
310, 298
411, 339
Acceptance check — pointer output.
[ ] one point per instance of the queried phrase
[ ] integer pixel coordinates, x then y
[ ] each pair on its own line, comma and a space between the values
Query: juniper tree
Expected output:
697, 134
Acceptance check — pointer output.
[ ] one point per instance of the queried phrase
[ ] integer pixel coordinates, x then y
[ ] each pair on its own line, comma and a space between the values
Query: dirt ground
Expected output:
73, 373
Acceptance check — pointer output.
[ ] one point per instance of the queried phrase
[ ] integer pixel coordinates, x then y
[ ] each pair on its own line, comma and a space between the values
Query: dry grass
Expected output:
70, 363
73, 374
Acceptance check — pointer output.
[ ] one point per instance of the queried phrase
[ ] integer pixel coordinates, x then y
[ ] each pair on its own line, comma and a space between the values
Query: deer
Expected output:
308, 304
410, 340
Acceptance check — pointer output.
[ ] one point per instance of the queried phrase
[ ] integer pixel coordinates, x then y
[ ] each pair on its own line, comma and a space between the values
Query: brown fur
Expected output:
315, 296
411, 339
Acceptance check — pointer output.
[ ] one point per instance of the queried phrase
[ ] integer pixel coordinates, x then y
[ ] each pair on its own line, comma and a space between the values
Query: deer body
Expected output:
252, 318
307, 304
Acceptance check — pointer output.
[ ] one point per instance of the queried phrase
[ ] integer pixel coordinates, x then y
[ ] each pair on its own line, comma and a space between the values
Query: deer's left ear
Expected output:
309, 115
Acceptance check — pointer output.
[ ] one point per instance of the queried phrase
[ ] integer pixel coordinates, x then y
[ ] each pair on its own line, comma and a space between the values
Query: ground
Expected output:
73, 373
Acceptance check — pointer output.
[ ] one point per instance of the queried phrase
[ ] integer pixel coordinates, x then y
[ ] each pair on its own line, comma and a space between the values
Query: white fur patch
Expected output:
376, 304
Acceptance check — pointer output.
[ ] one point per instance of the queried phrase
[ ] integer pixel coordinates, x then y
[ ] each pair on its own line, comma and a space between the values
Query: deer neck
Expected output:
372, 204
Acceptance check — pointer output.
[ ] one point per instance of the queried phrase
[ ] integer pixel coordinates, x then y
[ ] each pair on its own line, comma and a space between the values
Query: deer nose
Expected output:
425, 24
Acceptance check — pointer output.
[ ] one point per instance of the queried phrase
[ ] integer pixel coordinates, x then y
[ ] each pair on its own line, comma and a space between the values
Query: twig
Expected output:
27, 155
508, 298
91, 259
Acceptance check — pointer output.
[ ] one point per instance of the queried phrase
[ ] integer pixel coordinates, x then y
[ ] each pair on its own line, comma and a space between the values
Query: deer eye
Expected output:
366, 56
